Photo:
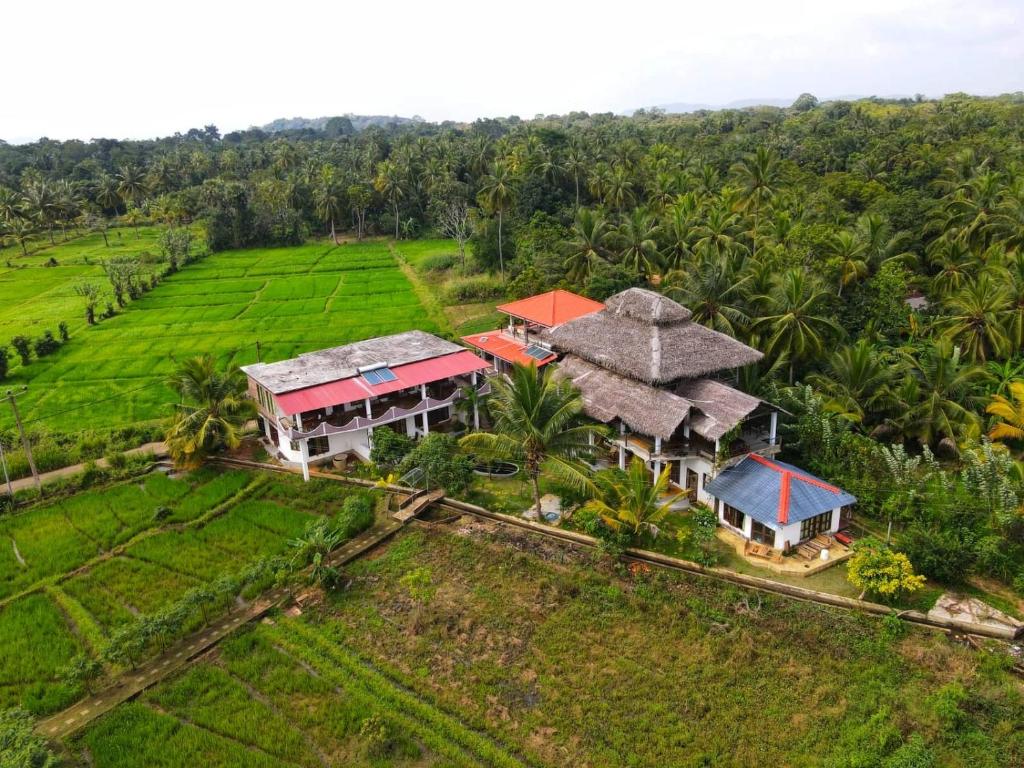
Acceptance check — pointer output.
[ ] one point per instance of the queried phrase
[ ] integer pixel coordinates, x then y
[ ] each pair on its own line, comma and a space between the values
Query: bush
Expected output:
62, 330
118, 460
475, 288
389, 448
5, 356
46, 344
944, 554
877, 570
437, 457
23, 347
20, 745
356, 515
438, 262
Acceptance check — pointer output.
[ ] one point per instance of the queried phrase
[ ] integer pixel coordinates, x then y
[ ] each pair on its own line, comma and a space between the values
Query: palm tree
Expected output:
576, 164
496, 194
538, 421
944, 401
718, 233
313, 549
629, 502
391, 184
1010, 411
976, 319
855, 379
587, 247
852, 256
636, 238
618, 191
131, 184
713, 292
327, 200
105, 192
41, 205
211, 412
759, 175
795, 325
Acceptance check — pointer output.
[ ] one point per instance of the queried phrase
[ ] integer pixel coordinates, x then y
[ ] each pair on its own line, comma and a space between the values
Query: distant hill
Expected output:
359, 122
681, 107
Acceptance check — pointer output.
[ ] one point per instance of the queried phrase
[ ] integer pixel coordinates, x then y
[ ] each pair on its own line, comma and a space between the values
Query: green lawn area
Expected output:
68, 593
290, 300
463, 651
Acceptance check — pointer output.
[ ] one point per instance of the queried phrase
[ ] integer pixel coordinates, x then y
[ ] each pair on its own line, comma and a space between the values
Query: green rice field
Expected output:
289, 300
74, 571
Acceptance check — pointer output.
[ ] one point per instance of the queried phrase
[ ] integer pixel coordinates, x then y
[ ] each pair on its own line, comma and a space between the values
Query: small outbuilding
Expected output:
773, 503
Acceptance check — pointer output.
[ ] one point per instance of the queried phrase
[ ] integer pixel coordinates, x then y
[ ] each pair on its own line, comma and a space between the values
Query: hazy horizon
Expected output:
118, 70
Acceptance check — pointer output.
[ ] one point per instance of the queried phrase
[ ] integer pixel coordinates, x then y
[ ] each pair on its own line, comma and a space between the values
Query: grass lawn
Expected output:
290, 300
67, 595
465, 651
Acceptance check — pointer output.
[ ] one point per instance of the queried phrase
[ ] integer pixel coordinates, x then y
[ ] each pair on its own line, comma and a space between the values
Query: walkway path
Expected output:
157, 449
79, 715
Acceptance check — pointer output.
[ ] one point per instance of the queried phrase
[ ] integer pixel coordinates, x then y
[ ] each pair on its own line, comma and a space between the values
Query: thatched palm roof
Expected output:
717, 406
645, 336
608, 396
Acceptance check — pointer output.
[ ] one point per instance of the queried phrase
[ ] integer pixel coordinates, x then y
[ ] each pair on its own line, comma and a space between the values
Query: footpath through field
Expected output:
183, 652
157, 449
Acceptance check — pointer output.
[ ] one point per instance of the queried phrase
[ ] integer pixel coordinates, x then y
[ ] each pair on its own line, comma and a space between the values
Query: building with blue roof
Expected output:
774, 503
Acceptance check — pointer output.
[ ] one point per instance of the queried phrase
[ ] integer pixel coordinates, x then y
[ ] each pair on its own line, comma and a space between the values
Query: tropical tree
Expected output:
313, 550
131, 184
211, 412
976, 318
1010, 412
713, 291
855, 379
851, 254
588, 246
496, 196
759, 176
538, 422
875, 569
795, 323
390, 182
41, 205
327, 200
636, 240
629, 502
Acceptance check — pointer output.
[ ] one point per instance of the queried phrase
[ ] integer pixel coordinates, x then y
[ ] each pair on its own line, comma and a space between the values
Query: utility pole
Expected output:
7, 477
24, 441
258, 360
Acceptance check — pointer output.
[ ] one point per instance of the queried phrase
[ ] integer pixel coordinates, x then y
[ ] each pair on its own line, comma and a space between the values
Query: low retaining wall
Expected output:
665, 561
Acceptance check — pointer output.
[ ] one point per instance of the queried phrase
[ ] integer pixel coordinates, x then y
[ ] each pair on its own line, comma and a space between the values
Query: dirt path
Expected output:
157, 449
182, 653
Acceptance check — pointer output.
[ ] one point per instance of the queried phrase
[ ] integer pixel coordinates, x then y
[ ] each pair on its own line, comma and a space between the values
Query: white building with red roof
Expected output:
329, 402
525, 339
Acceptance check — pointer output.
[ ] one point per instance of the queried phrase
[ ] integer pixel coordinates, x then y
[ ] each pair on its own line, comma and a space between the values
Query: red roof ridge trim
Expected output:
787, 475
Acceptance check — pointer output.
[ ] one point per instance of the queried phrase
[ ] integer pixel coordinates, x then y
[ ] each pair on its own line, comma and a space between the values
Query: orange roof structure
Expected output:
552, 308
511, 351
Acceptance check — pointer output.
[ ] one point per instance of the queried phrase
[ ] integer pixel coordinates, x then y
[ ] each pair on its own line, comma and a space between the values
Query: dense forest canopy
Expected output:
872, 250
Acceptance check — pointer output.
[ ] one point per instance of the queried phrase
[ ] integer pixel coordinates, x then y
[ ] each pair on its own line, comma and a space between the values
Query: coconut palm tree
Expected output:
538, 422
496, 194
576, 165
713, 291
852, 256
629, 502
41, 205
588, 246
855, 379
796, 323
759, 175
636, 239
327, 200
211, 412
131, 184
390, 182
618, 191
1010, 411
104, 192
976, 319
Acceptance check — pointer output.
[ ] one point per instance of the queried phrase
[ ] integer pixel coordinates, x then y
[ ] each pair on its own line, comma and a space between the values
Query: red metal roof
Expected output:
511, 351
552, 308
356, 388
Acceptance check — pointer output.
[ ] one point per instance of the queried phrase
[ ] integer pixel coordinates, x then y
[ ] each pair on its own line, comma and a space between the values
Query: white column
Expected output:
426, 422
476, 406
369, 410
304, 458
622, 447
773, 428
657, 462
298, 422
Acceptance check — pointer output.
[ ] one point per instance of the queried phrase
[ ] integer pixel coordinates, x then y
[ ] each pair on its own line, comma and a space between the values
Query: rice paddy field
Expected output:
74, 571
475, 646
289, 300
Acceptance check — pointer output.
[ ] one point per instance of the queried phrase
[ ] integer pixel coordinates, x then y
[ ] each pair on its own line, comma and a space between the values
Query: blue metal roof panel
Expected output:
754, 488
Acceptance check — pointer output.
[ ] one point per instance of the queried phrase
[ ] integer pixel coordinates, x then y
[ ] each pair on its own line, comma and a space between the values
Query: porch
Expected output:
798, 562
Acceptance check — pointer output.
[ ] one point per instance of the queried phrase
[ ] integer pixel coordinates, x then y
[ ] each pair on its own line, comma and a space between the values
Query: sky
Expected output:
106, 68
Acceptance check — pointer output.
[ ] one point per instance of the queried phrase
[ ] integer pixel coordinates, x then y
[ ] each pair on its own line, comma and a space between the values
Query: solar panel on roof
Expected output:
379, 376
537, 352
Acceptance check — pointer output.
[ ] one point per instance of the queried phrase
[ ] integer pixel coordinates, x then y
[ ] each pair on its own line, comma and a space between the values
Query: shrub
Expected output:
62, 331
389, 448
878, 570
945, 554
5, 356
356, 515
437, 457
703, 536
118, 460
475, 288
46, 344
20, 745
23, 347
438, 262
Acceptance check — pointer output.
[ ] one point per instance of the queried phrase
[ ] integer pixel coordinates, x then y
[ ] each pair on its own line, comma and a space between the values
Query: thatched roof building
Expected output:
645, 336
717, 407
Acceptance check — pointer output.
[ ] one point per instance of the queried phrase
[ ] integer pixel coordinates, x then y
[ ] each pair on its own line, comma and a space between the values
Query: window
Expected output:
813, 526
762, 534
265, 398
294, 445
733, 517
704, 480
318, 446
